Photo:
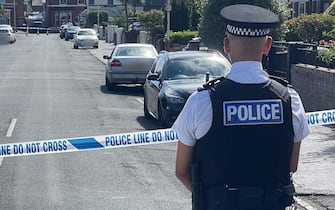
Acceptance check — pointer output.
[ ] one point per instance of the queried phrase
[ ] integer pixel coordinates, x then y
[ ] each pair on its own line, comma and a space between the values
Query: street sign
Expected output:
168, 8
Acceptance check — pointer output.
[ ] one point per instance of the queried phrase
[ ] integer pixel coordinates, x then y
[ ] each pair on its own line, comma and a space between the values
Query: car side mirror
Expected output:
152, 77
106, 57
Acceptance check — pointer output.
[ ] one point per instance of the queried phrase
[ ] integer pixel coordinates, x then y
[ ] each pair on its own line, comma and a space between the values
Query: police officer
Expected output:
240, 135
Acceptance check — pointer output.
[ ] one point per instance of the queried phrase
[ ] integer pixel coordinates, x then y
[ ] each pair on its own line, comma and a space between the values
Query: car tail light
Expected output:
115, 62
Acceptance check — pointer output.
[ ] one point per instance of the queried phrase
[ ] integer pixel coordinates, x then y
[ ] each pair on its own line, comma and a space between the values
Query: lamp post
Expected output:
168, 9
14, 15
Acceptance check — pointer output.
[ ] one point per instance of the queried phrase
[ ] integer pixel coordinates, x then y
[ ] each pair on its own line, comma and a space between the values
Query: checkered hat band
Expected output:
247, 31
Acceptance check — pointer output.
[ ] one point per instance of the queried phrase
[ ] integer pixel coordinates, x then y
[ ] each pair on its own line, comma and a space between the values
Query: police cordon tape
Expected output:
326, 117
88, 143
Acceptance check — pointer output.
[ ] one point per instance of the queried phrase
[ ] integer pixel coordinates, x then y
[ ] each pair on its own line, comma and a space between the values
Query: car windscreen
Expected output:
136, 51
4, 30
86, 33
196, 68
72, 28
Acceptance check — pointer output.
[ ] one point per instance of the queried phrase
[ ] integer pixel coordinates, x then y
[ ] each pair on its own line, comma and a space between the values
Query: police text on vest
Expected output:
253, 112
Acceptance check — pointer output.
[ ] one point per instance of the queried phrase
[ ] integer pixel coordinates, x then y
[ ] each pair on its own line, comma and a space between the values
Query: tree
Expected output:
212, 26
1, 10
195, 10
179, 17
92, 18
331, 9
152, 21
126, 4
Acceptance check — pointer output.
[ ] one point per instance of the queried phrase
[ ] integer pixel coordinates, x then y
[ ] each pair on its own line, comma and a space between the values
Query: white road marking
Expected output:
140, 100
11, 128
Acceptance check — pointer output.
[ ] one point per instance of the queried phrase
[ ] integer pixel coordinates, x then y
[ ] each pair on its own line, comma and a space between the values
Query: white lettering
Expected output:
251, 117
243, 113
265, 108
231, 111
253, 112
275, 110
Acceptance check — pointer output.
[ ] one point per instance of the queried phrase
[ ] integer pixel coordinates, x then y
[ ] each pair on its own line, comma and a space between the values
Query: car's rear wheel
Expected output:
75, 46
109, 85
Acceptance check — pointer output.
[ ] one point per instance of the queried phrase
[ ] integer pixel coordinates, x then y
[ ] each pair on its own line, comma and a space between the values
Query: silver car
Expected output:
86, 37
7, 34
129, 64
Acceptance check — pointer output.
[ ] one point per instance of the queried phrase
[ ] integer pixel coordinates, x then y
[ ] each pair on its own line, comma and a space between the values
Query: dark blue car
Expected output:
174, 76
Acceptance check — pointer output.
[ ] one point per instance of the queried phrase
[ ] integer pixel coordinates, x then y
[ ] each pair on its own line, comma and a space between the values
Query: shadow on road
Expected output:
148, 124
131, 90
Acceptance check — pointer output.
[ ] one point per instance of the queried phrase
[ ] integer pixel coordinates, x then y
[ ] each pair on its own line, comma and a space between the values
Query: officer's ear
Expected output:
226, 45
267, 45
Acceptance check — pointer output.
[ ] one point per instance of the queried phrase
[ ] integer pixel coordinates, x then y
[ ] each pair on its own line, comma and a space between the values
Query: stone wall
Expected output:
316, 86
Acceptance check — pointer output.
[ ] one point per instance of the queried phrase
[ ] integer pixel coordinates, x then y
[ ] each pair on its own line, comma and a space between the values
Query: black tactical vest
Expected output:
251, 137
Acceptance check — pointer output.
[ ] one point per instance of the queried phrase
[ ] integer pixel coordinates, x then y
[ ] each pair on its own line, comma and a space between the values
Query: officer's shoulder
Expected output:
210, 84
280, 80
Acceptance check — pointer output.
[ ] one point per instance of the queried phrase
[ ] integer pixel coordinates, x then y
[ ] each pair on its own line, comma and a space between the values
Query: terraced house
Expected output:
57, 12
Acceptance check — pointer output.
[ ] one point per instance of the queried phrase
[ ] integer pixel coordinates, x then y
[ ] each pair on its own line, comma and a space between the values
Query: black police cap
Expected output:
248, 20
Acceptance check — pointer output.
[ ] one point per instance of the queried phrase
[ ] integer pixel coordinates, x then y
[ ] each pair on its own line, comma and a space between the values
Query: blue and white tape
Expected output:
326, 117
88, 143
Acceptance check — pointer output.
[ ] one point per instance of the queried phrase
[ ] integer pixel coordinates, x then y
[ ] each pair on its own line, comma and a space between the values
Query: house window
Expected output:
110, 2
81, 2
91, 2
302, 8
62, 2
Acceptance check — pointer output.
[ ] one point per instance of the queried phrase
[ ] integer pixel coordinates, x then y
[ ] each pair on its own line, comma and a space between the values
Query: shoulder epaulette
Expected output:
210, 84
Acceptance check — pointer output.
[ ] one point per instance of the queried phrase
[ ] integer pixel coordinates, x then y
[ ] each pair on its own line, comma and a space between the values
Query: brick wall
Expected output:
316, 86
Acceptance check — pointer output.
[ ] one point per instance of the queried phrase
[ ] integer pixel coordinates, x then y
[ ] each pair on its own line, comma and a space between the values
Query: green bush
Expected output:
182, 37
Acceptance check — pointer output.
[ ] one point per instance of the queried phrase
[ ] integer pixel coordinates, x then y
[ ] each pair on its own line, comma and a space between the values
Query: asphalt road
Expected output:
52, 91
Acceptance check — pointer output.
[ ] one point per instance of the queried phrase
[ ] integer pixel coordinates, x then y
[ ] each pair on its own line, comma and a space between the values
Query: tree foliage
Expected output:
152, 21
127, 4
331, 9
212, 26
1, 10
92, 18
118, 20
179, 17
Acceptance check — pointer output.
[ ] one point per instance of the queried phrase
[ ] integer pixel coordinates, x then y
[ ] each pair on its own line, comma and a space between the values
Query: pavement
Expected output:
315, 178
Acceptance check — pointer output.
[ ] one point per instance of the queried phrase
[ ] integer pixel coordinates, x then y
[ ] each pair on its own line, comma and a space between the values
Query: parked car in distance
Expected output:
70, 32
135, 26
129, 63
174, 76
86, 37
63, 28
195, 44
7, 34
